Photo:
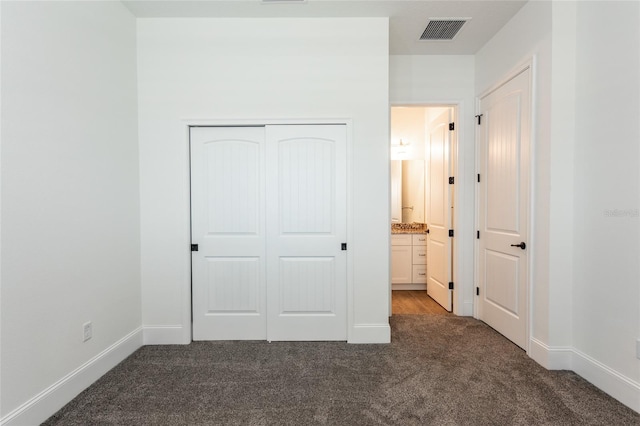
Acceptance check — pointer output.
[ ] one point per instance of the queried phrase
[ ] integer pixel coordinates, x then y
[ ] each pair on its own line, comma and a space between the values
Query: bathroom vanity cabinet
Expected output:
409, 261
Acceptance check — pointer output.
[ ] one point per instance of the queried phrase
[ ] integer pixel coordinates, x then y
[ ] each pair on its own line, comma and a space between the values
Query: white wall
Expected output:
256, 69
586, 238
70, 208
447, 80
607, 182
408, 125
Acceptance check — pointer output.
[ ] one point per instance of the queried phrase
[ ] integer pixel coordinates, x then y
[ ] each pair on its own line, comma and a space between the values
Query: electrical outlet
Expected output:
87, 331
638, 348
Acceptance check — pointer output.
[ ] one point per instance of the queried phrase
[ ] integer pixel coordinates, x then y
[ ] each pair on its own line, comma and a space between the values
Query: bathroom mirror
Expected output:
407, 191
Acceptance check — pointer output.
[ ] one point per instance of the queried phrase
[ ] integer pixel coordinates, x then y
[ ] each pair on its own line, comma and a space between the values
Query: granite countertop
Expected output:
409, 228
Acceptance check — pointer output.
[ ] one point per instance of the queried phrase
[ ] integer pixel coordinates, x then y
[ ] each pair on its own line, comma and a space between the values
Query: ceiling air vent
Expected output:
442, 29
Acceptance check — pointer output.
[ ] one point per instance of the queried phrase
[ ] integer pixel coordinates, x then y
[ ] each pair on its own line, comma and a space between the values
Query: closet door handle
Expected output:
522, 245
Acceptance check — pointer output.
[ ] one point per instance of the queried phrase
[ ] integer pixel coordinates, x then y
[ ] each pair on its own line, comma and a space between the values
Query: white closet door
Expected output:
306, 226
227, 208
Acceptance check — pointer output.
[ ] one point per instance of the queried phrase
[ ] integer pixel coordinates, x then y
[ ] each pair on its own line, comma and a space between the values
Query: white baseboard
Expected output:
46, 403
370, 333
608, 380
620, 387
412, 286
164, 335
551, 358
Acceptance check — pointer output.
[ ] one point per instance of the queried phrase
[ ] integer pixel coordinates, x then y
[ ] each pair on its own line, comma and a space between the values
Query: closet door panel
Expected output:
227, 220
306, 226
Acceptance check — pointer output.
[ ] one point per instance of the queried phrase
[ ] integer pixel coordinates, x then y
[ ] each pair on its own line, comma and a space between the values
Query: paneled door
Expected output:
439, 211
306, 229
504, 134
269, 218
228, 224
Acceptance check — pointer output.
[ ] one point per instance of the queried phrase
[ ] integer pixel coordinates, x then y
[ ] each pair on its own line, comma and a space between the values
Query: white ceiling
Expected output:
408, 18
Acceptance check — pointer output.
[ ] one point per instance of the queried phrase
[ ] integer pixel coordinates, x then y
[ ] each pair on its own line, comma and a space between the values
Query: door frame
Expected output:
186, 297
460, 288
528, 63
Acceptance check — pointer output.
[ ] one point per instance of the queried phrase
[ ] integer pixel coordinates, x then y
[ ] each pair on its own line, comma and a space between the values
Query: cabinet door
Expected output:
401, 264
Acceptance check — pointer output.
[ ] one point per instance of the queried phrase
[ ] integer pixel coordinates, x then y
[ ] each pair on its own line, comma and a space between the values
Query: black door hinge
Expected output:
477, 291
451, 232
479, 117
478, 234
452, 180
478, 177
194, 247
450, 285
452, 126
344, 246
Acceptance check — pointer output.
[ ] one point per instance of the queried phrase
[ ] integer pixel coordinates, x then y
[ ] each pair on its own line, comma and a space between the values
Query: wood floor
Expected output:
414, 302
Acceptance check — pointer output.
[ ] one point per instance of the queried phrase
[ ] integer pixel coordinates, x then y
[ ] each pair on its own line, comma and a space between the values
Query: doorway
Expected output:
422, 167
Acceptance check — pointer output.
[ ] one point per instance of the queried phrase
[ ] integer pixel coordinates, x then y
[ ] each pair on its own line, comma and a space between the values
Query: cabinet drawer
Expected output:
419, 275
400, 239
419, 255
419, 239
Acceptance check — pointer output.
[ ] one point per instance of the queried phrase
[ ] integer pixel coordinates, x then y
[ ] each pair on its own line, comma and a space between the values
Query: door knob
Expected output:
522, 245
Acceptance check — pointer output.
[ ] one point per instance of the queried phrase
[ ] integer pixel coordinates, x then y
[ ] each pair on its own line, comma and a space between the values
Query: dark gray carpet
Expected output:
439, 370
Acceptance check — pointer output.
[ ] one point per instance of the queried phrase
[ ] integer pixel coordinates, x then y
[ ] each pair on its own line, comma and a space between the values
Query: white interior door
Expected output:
504, 204
228, 224
439, 211
306, 221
